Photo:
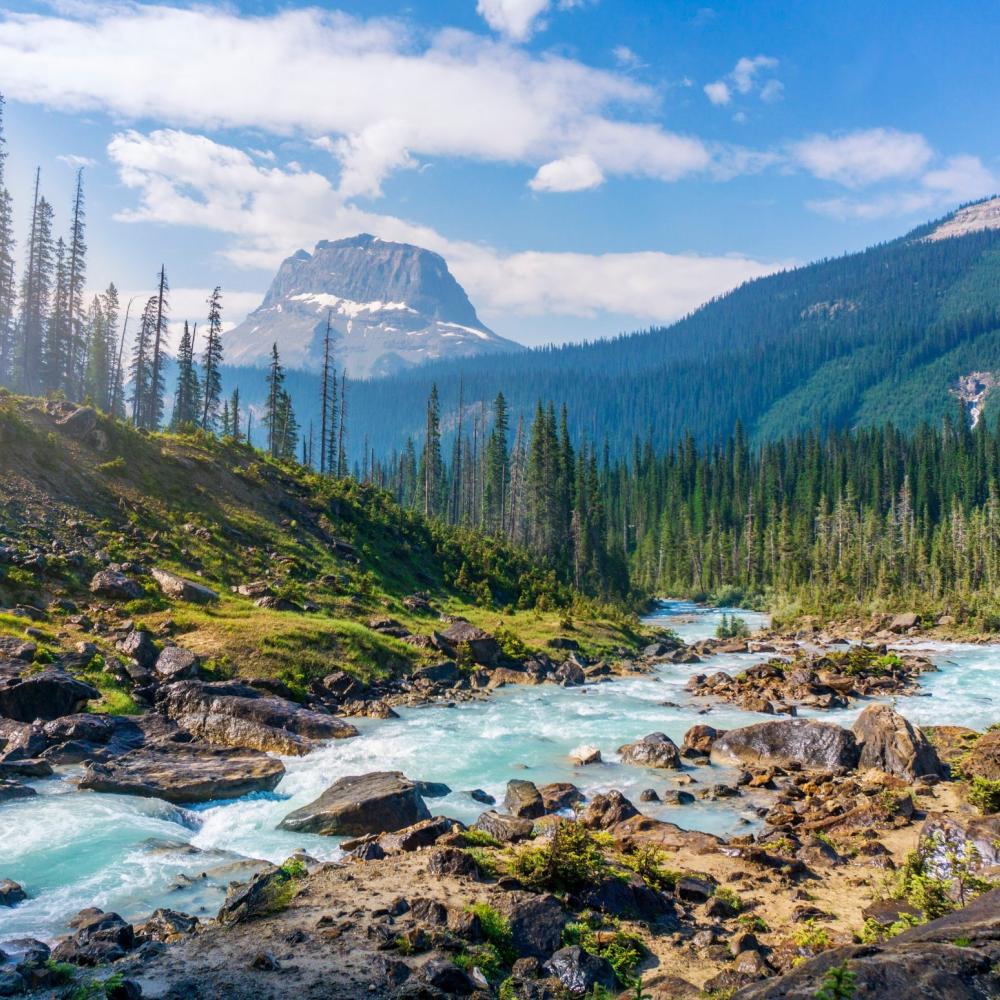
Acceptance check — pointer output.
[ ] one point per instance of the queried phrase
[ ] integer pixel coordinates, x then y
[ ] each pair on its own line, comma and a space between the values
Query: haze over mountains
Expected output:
390, 306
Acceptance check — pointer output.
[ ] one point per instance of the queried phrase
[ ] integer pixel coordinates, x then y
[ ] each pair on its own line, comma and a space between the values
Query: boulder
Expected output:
186, 772
889, 743
11, 790
444, 975
183, 590
506, 829
344, 685
232, 714
452, 861
45, 695
115, 586
412, 838
654, 750
98, 938
85, 727
903, 622
949, 958
165, 924
482, 647
964, 837
560, 795
79, 423
584, 755
579, 971
523, 799
607, 809
698, 740
248, 900
536, 921
810, 744
20, 740
176, 663
380, 802
983, 761
11, 893
139, 646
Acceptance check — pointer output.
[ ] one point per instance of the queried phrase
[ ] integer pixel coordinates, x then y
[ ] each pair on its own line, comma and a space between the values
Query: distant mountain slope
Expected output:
880, 335
391, 305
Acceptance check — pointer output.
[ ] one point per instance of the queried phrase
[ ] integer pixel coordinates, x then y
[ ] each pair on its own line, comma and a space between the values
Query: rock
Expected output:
631, 899
584, 755
11, 790
11, 893
810, 744
478, 795
560, 795
903, 622
579, 971
678, 797
186, 772
444, 975
115, 586
523, 799
232, 714
79, 423
98, 938
452, 861
536, 921
694, 890
344, 685
481, 646
506, 829
607, 809
84, 726
925, 962
698, 741
177, 664
165, 924
983, 761
44, 695
649, 795
412, 838
445, 673
256, 898
380, 802
570, 674
139, 645
264, 961
959, 833
183, 590
654, 750
889, 743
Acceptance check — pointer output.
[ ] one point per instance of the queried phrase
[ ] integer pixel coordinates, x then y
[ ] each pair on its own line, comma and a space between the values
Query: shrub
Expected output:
984, 795
646, 862
486, 862
570, 860
496, 930
811, 938
479, 838
730, 898
838, 984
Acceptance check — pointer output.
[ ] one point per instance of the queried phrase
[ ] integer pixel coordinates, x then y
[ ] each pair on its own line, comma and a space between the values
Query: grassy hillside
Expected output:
860, 339
222, 514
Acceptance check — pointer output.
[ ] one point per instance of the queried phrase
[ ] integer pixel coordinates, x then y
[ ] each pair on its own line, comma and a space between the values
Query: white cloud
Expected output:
75, 160
383, 93
863, 157
625, 57
718, 92
571, 173
268, 212
959, 179
514, 18
744, 79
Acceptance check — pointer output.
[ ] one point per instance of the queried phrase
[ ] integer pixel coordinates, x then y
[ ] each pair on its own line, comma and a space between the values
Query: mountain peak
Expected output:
390, 306
972, 218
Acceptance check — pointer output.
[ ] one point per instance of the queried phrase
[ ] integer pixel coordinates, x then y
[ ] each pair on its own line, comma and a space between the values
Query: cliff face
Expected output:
389, 305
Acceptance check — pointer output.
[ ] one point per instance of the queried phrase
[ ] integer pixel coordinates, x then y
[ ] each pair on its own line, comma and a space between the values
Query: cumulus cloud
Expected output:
269, 211
570, 173
383, 94
516, 19
863, 157
75, 160
744, 78
958, 179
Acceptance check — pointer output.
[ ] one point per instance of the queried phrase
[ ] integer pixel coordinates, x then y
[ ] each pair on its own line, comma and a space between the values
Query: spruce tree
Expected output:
272, 412
8, 301
141, 369
158, 336
212, 362
36, 294
76, 270
187, 396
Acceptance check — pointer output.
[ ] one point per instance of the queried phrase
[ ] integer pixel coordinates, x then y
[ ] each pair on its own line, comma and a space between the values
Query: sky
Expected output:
584, 166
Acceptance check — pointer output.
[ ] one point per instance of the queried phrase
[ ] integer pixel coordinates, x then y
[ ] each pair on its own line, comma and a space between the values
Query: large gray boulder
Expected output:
810, 744
889, 743
523, 799
231, 714
115, 585
579, 971
183, 590
482, 647
654, 750
186, 772
380, 802
175, 663
536, 921
48, 694
953, 958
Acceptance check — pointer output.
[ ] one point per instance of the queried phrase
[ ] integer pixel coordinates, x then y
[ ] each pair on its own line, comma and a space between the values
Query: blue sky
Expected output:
585, 166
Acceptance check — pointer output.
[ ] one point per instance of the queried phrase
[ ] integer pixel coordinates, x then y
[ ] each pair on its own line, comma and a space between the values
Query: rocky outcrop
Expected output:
183, 590
536, 921
983, 760
523, 799
699, 739
889, 743
607, 809
114, 585
654, 750
232, 714
504, 828
98, 938
185, 772
176, 663
809, 744
380, 802
579, 971
946, 959
48, 694
970, 838
481, 646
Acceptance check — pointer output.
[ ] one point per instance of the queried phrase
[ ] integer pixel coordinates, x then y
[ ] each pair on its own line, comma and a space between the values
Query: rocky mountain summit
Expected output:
390, 305
971, 219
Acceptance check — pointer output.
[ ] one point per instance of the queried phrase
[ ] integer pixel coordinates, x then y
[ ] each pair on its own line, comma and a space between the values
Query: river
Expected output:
72, 849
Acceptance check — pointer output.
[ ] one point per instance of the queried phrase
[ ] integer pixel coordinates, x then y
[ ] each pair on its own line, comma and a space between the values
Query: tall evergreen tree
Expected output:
273, 411
187, 396
36, 293
154, 415
8, 300
76, 271
212, 361
431, 476
141, 369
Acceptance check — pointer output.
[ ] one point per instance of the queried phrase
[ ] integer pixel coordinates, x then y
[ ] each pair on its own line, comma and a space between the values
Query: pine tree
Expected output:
212, 361
287, 428
430, 458
141, 369
36, 293
98, 383
117, 381
8, 301
187, 396
272, 412
327, 404
342, 426
154, 406
234, 415
56, 346
76, 269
